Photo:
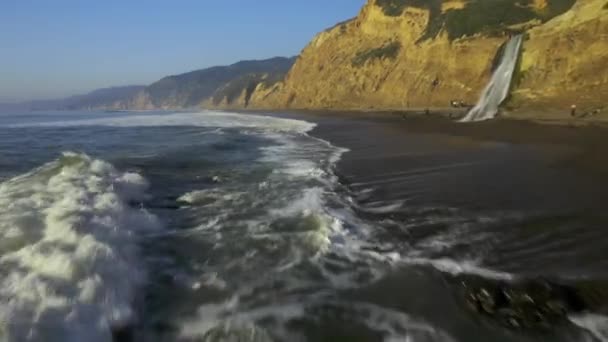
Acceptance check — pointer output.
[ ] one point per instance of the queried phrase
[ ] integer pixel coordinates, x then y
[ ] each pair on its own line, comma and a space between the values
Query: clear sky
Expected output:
54, 48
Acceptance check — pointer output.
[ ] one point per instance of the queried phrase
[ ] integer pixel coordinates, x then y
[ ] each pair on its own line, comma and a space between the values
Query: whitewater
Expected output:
69, 254
216, 226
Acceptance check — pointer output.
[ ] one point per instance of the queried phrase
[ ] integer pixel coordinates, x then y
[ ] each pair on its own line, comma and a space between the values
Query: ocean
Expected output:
216, 226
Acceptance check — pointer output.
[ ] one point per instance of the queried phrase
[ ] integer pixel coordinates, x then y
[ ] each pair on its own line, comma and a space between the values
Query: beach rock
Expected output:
526, 304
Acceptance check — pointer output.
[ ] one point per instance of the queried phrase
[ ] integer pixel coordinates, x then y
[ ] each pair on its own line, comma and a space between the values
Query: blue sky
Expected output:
54, 48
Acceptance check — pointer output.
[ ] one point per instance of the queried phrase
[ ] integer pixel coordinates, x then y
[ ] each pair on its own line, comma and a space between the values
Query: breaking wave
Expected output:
203, 119
70, 266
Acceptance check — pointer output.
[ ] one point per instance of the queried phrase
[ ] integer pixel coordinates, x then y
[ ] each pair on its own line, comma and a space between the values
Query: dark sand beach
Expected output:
521, 199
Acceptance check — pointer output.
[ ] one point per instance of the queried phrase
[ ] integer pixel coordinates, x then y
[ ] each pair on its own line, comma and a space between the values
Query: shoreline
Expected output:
587, 136
550, 116
533, 179
387, 144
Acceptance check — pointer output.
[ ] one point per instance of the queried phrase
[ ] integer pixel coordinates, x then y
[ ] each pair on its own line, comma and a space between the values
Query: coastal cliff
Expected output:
408, 54
403, 54
565, 61
229, 86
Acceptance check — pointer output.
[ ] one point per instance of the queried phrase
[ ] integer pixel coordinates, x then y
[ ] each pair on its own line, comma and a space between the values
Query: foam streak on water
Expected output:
203, 119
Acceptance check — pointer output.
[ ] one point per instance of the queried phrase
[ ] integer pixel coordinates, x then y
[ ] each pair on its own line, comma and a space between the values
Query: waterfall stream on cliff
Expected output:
498, 89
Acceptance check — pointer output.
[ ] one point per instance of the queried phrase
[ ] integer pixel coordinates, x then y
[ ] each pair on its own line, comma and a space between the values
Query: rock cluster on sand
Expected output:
531, 304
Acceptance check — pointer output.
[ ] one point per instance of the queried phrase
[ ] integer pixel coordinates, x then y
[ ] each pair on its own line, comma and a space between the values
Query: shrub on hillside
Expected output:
394, 8
490, 17
389, 50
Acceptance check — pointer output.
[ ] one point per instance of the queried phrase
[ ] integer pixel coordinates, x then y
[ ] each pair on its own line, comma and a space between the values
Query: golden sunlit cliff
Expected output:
412, 53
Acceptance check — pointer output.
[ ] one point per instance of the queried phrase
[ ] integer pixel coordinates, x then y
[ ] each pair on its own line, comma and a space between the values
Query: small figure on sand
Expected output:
459, 104
435, 83
573, 110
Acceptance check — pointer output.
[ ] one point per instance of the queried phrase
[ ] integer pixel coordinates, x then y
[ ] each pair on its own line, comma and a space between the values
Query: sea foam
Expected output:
70, 264
597, 325
202, 119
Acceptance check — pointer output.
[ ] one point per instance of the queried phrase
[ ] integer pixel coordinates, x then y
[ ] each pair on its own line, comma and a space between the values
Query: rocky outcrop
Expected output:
409, 53
531, 304
245, 91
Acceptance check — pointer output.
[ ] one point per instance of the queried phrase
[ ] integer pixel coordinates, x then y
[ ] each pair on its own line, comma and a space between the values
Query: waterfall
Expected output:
498, 89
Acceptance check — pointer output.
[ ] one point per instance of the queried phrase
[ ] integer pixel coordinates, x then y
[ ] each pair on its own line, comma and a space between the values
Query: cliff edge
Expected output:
412, 53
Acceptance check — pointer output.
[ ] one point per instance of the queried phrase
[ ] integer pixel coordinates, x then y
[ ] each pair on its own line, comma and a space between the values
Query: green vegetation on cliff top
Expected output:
491, 17
389, 50
395, 8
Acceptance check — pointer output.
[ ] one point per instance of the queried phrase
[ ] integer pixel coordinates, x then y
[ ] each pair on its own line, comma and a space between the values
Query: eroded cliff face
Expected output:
141, 101
376, 61
411, 53
565, 61
245, 92
230, 86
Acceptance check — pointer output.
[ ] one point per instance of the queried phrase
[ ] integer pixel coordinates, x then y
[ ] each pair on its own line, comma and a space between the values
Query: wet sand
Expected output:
518, 197
496, 164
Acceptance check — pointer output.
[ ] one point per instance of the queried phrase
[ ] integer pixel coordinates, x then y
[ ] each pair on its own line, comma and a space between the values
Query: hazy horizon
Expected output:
63, 48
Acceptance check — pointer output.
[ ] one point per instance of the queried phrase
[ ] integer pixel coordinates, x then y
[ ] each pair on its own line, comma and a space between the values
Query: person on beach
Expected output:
573, 110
